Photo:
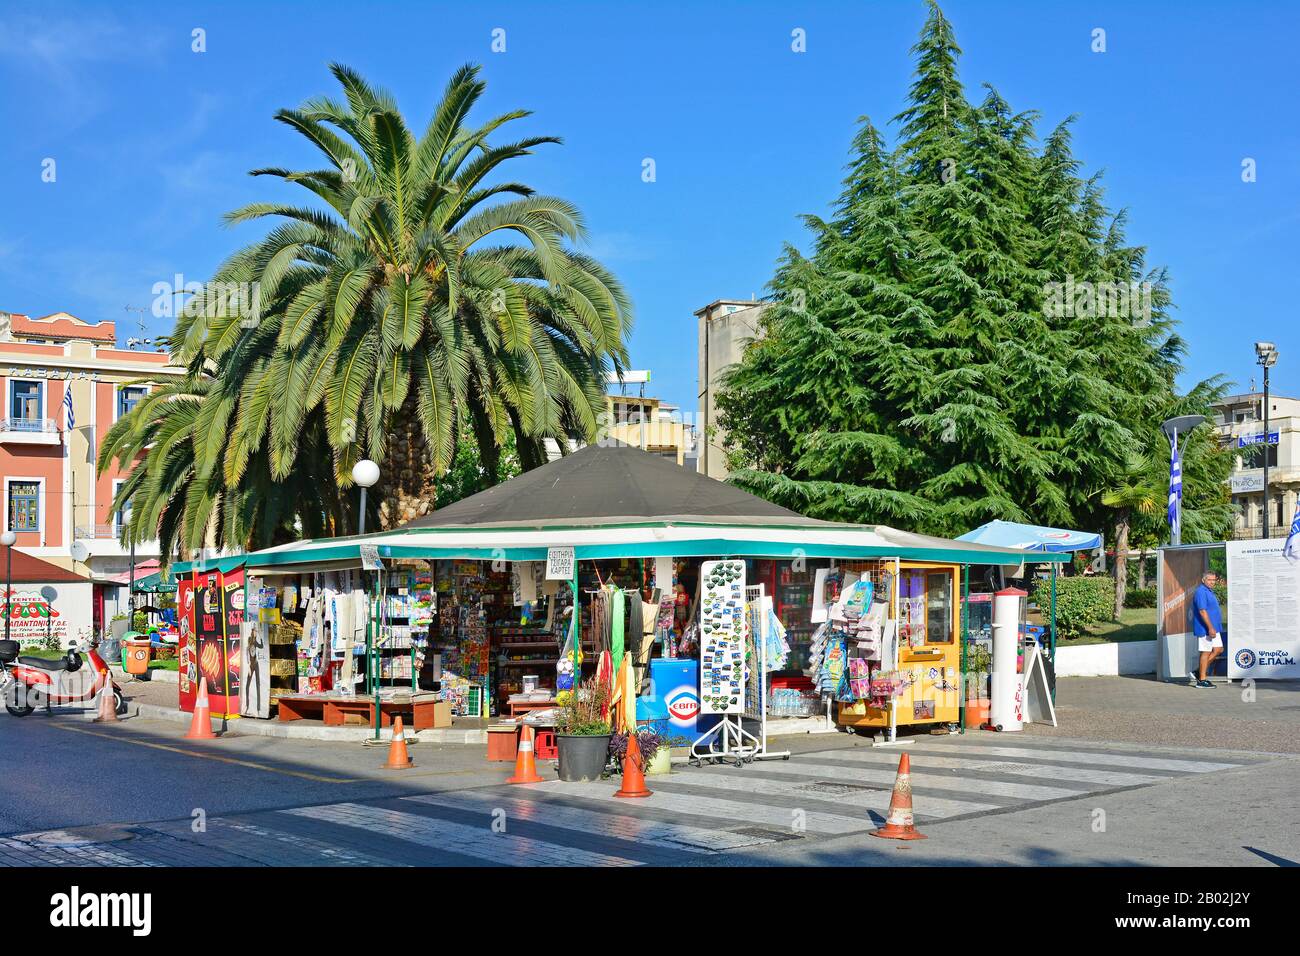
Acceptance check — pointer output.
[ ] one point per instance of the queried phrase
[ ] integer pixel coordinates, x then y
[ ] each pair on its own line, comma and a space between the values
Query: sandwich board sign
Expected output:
559, 564
1037, 695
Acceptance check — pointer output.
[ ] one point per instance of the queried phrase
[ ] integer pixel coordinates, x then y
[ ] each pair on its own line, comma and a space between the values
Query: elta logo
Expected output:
683, 704
1245, 658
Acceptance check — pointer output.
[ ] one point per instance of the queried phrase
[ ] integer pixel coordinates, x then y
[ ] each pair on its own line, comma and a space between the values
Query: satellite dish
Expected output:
79, 551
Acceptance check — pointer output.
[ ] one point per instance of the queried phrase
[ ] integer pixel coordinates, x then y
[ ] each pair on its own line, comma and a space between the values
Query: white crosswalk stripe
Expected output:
1105, 778
1137, 762
612, 824
884, 776
737, 812
475, 841
876, 799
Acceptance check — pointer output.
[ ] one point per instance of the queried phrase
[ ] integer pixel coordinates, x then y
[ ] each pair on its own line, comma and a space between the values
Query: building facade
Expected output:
645, 423
725, 327
49, 445
1239, 421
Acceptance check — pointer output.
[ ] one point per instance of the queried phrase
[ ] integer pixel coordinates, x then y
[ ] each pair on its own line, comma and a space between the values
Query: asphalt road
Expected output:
979, 798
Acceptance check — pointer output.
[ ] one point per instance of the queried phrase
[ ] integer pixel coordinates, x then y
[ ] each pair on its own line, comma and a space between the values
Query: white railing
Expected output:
99, 531
38, 426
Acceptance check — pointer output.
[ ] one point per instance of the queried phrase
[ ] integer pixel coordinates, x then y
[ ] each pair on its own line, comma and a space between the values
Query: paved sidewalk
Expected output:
1147, 711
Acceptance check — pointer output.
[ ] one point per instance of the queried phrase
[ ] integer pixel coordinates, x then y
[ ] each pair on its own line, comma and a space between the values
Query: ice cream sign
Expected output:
32, 617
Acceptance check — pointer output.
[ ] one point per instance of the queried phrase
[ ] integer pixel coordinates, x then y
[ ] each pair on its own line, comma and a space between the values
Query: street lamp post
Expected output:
1173, 427
1266, 358
8, 539
365, 473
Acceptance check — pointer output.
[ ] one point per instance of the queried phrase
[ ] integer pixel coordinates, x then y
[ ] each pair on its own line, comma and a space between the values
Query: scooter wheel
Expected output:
119, 702
18, 701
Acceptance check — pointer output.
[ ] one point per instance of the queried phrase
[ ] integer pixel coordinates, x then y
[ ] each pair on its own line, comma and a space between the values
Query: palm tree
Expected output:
420, 296
169, 501
1136, 494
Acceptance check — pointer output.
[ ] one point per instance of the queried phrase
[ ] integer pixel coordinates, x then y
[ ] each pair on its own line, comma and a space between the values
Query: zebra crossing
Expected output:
696, 814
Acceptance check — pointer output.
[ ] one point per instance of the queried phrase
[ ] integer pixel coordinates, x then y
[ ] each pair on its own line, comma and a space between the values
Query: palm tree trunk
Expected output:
1142, 569
408, 480
1121, 562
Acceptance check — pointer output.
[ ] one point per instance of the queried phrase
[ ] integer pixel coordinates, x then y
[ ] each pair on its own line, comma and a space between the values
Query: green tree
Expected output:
420, 296
960, 344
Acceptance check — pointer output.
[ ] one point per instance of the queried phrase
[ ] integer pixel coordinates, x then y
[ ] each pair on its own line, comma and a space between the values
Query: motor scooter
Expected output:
30, 682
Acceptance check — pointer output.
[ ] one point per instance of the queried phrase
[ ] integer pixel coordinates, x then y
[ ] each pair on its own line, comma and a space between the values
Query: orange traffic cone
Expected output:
201, 725
107, 704
633, 778
525, 765
899, 825
398, 758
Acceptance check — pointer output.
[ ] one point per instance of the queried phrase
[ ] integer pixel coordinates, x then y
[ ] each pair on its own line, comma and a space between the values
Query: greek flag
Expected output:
1175, 485
1291, 550
67, 407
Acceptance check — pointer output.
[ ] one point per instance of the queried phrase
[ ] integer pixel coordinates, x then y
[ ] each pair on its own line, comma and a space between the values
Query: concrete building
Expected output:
52, 494
1239, 421
725, 328
646, 423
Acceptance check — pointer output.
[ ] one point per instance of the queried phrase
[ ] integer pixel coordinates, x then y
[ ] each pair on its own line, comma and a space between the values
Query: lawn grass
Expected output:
168, 665
1134, 624
42, 652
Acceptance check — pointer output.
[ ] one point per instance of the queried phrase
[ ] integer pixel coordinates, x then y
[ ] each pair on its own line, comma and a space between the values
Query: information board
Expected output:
1263, 612
723, 626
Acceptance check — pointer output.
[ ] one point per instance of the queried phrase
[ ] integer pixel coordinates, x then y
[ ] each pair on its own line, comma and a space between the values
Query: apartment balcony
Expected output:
104, 541
29, 431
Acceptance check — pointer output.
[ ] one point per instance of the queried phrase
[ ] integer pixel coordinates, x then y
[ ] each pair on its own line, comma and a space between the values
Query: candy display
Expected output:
723, 629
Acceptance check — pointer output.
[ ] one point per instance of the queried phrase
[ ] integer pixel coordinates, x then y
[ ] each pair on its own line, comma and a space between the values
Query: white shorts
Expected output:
1207, 644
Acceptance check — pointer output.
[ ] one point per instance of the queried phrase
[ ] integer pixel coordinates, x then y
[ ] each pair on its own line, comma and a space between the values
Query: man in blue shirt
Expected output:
1207, 625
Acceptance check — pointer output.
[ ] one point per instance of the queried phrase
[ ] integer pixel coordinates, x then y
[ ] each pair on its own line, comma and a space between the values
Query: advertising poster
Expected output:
210, 639
255, 659
723, 627
1182, 572
186, 652
232, 607
1263, 612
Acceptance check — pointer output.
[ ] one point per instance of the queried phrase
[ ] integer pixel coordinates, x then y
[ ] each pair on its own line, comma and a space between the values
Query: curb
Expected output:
252, 727
156, 676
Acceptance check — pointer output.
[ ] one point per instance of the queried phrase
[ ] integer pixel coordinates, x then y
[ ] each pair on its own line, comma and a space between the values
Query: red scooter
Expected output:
30, 682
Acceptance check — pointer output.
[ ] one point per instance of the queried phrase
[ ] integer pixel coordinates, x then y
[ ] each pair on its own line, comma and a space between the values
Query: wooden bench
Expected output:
333, 711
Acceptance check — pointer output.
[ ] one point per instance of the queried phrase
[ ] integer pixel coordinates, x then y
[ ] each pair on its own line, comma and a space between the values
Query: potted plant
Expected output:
582, 732
978, 659
656, 750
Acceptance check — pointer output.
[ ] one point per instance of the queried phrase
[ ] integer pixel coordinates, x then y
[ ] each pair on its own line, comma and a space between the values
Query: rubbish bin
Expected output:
135, 653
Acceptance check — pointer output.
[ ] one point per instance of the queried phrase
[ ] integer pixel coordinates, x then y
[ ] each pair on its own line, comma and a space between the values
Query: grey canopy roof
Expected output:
610, 484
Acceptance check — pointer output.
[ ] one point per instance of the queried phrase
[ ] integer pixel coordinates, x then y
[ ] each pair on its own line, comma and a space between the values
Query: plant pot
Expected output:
977, 712
582, 758
661, 762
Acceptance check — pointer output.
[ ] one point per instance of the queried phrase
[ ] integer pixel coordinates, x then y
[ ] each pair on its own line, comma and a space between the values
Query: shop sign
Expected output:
559, 564
1241, 484
32, 618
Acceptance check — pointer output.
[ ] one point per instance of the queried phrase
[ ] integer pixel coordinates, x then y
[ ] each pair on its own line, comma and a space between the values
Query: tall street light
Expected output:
1266, 358
365, 473
8, 539
1173, 427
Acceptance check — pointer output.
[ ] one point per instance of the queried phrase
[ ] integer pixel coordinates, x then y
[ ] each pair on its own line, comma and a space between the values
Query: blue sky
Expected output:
153, 141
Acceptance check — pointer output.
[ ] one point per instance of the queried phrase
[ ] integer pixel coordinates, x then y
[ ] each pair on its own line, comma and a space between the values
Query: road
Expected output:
135, 793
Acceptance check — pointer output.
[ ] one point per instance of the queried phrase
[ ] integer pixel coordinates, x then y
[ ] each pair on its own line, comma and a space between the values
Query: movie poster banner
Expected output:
187, 657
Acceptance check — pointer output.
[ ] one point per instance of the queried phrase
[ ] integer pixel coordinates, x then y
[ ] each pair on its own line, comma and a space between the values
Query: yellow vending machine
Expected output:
925, 671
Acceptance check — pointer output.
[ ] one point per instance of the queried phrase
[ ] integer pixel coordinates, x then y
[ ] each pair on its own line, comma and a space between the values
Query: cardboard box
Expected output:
442, 714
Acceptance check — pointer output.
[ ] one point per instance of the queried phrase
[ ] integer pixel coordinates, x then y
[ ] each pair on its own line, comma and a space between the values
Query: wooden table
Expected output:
333, 710
518, 707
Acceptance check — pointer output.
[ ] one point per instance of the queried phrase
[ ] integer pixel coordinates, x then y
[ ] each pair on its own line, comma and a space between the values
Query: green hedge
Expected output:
1081, 603
1140, 597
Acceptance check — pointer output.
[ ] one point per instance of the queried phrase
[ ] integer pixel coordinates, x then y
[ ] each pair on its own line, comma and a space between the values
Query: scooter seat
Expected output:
45, 664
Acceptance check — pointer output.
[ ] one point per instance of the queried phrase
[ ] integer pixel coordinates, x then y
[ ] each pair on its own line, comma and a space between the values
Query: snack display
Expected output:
723, 627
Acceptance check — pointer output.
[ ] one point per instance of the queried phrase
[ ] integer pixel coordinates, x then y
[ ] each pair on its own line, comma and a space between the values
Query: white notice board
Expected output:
1262, 618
